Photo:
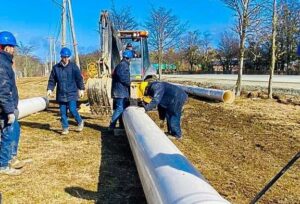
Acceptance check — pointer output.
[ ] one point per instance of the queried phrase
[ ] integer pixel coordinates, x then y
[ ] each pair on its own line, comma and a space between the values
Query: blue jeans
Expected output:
173, 123
119, 106
72, 106
10, 136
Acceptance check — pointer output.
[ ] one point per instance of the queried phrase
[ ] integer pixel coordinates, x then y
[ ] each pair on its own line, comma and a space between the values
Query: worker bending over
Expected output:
169, 100
67, 76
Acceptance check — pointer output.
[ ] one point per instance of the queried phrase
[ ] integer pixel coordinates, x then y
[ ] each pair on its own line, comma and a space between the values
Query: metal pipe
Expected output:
29, 106
166, 174
225, 96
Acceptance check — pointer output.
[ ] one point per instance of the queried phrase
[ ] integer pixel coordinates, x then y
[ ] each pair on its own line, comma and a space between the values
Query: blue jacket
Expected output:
121, 80
9, 97
68, 80
166, 95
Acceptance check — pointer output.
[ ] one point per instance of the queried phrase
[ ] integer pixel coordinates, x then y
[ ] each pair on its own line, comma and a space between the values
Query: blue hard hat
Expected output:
298, 50
7, 38
129, 45
65, 52
128, 54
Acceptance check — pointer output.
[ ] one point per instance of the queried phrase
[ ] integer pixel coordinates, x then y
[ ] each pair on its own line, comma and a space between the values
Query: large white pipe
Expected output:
166, 174
225, 96
29, 106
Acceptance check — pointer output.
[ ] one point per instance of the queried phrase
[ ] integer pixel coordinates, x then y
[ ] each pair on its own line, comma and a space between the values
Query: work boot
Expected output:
10, 171
18, 164
174, 137
178, 138
80, 126
65, 131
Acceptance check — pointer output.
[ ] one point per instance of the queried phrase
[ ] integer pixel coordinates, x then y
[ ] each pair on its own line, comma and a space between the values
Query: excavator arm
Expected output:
111, 45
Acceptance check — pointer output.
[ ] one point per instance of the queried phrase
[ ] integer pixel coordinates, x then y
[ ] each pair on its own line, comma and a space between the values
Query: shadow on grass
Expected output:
118, 180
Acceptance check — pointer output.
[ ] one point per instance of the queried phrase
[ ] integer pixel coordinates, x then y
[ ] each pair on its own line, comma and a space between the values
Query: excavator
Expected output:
113, 43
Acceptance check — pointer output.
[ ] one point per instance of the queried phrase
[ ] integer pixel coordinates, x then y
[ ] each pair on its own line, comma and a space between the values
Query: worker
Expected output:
9, 99
120, 88
169, 100
298, 50
129, 47
66, 75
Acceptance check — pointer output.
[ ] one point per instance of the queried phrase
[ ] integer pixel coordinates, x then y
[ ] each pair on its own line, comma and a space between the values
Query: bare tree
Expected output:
26, 51
248, 19
288, 32
206, 50
191, 46
123, 18
165, 31
228, 50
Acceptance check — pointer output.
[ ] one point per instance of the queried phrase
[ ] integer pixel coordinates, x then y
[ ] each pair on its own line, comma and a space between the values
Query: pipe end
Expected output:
228, 97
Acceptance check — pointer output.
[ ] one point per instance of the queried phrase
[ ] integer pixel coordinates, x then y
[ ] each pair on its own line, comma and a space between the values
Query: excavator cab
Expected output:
140, 67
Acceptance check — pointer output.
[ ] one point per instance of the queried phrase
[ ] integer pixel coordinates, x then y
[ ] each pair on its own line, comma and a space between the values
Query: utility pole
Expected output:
64, 24
73, 33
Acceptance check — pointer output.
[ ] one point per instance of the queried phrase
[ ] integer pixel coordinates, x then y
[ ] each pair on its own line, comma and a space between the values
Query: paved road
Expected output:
279, 81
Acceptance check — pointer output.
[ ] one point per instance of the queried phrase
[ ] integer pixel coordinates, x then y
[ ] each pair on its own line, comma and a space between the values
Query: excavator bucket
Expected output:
99, 95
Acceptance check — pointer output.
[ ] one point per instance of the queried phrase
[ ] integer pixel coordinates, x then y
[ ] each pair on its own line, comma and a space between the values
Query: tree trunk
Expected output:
240, 73
26, 64
159, 63
274, 24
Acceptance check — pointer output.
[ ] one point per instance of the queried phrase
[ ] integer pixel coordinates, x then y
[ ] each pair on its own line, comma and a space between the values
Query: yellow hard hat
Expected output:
143, 86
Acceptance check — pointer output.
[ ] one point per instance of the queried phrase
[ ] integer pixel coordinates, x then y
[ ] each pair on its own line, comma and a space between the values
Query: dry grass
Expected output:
238, 147
86, 167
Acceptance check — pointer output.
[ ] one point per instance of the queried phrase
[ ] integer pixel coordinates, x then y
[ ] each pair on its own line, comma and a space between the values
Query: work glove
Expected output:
81, 93
11, 118
49, 93
141, 103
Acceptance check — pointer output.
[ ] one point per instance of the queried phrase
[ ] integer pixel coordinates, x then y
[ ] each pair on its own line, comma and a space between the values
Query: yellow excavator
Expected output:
113, 43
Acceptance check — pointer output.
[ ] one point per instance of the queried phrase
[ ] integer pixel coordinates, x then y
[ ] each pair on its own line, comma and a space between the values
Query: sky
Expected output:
34, 21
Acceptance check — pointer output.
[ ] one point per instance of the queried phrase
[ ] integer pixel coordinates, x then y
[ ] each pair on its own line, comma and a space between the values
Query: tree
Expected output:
248, 20
207, 53
288, 32
228, 50
273, 61
123, 18
191, 48
25, 50
165, 31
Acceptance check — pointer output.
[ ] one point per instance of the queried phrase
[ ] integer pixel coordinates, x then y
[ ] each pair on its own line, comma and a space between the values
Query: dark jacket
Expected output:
68, 80
9, 97
121, 80
166, 95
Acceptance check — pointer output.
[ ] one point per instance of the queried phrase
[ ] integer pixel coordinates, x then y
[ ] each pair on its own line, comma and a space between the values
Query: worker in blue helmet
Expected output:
130, 48
67, 76
169, 100
9, 99
120, 88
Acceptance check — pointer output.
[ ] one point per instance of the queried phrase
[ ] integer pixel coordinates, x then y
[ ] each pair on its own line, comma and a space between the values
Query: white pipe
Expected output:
225, 96
166, 174
29, 106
